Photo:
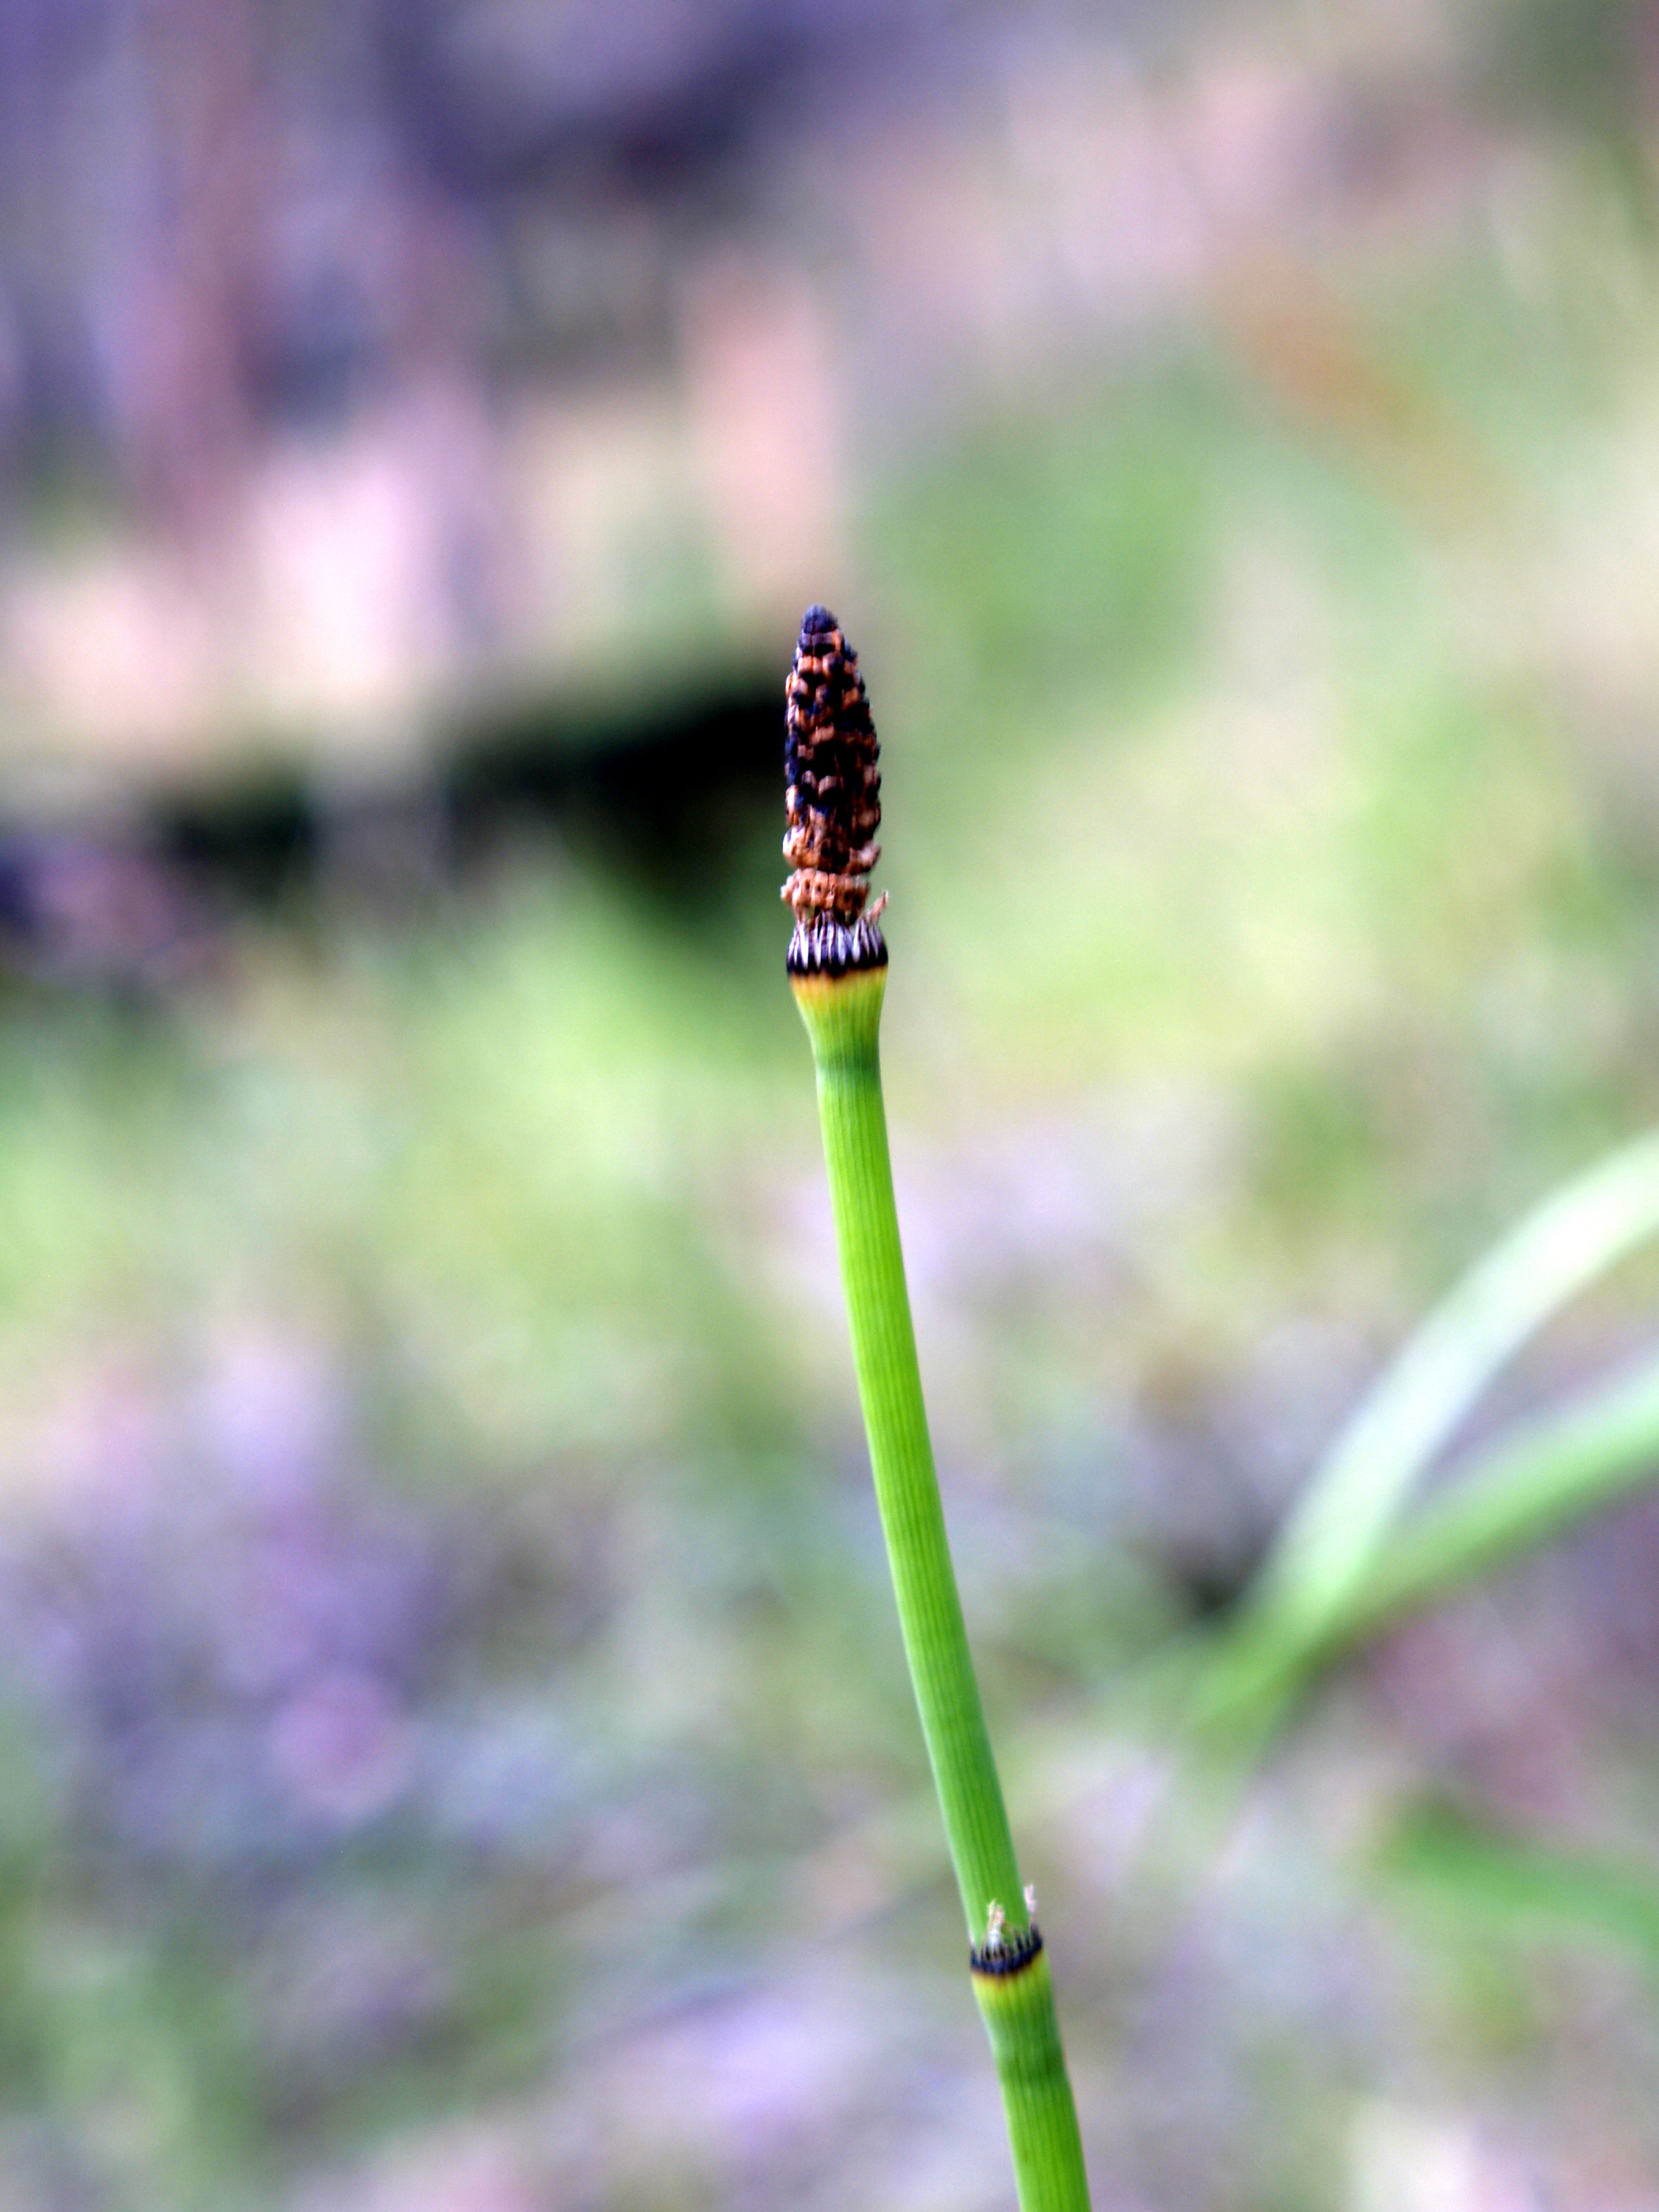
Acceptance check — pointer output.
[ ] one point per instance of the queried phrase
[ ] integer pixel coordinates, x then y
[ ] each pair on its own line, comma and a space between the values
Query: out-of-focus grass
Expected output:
1270, 923
509, 1114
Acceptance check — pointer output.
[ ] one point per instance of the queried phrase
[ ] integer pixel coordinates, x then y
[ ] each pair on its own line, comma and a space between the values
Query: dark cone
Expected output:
833, 802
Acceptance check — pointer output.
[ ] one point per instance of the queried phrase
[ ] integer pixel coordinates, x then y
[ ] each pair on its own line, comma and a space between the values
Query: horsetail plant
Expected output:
837, 965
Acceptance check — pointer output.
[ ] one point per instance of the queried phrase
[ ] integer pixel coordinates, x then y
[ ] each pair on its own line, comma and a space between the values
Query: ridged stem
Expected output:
842, 1015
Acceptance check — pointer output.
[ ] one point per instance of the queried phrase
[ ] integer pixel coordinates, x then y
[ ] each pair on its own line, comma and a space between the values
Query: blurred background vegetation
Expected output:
458, 1754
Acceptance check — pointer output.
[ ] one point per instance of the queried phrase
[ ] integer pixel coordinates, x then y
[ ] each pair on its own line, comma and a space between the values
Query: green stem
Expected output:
842, 1015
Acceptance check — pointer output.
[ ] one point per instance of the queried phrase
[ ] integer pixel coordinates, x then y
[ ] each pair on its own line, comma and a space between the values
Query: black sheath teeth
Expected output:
1011, 1954
828, 947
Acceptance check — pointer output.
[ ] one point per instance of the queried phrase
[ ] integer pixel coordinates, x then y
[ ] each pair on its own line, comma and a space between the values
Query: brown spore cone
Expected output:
834, 801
